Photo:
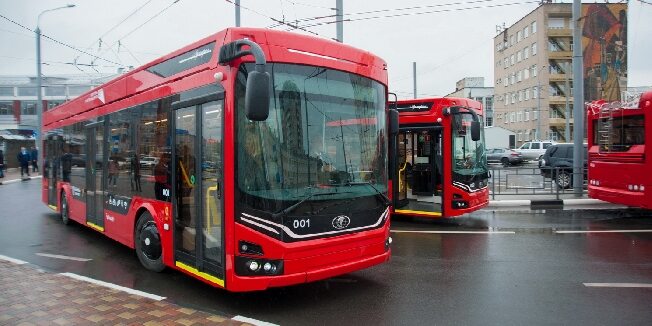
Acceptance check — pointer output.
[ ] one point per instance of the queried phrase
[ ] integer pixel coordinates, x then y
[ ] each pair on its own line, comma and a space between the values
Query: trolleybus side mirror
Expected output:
475, 130
393, 122
257, 96
258, 81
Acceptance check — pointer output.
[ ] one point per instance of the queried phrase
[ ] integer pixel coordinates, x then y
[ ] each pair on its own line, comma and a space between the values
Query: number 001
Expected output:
301, 224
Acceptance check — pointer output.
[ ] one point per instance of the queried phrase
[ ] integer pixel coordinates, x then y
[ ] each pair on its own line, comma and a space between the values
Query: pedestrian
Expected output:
34, 157
2, 164
23, 160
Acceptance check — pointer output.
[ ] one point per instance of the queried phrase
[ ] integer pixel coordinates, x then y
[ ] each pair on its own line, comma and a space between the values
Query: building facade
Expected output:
473, 88
18, 97
533, 67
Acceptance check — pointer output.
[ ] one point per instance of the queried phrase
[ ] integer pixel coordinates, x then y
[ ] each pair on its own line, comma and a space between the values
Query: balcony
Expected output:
556, 55
560, 32
558, 100
558, 77
558, 122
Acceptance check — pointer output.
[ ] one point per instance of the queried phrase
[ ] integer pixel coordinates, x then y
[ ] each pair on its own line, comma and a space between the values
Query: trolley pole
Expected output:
567, 133
578, 102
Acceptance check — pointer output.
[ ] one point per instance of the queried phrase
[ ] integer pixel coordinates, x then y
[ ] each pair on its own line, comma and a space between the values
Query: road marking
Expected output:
12, 260
114, 286
62, 257
252, 321
604, 231
618, 285
454, 232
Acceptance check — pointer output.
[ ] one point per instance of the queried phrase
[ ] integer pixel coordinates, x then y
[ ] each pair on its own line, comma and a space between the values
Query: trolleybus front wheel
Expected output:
148, 243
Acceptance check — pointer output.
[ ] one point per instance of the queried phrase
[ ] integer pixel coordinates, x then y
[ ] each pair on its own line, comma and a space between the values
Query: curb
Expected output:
6, 182
546, 203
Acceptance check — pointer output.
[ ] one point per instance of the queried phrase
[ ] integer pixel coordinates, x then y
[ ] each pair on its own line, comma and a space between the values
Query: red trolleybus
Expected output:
619, 167
441, 164
233, 160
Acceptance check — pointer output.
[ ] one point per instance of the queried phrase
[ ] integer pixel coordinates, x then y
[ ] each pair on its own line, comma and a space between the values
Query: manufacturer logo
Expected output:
341, 222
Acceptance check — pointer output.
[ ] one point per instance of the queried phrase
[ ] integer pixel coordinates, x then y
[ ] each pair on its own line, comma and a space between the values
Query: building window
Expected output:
526, 52
519, 76
519, 56
519, 36
27, 91
6, 91
506, 62
507, 99
77, 90
553, 135
534, 71
526, 32
513, 78
519, 116
55, 91
512, 40
511, 117
520, 95
533, 27
535, 115
28, 107
511, 60
520, 136
526, 74
535, 92
527, 94
52, 104
513, 97
534, 49
556, 23
527, 135
527, 116
6, 108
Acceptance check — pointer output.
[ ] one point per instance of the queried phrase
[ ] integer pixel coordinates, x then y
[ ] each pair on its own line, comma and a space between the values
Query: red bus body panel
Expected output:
305, 261
612, 173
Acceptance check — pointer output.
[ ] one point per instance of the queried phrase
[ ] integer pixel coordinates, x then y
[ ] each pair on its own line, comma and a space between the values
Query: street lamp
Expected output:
39, 91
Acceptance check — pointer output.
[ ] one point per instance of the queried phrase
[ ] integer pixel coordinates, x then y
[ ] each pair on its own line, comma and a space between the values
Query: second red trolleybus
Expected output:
619, 161
441, 164
250, 159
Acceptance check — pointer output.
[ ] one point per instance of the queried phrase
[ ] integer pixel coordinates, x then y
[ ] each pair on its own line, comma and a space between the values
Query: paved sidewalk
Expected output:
13, 175
33, 297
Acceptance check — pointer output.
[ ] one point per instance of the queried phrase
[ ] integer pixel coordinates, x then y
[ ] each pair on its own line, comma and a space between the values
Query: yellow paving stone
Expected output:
95, 318
126, 315
157, 313
216, 319
160, 304
187, 311
185, 322
69, 286
131, 306
61, 321
39, 313
102, 307
109, 298
80, 301
152, 323
71, 310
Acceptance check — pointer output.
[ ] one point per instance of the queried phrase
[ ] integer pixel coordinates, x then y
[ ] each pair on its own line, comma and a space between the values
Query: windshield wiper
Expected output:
378, 193
284, 212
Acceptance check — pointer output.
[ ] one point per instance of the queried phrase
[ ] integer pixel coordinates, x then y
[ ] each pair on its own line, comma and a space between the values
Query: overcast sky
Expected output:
447, 45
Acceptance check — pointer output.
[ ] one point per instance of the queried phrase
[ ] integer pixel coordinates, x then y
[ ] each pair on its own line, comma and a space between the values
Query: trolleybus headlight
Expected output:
269, 268
635, 187
253, 265
642, 188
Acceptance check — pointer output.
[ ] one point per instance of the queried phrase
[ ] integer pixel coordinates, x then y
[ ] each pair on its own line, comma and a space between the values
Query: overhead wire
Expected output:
274, 19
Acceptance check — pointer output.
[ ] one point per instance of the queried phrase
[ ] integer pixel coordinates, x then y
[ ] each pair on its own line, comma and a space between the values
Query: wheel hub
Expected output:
150, 241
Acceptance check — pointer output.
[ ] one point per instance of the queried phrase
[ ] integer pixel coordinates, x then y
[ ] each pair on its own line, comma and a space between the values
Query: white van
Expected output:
534, 150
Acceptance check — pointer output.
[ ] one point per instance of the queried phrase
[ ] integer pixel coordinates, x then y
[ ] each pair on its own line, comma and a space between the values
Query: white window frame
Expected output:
534, 48
533, 27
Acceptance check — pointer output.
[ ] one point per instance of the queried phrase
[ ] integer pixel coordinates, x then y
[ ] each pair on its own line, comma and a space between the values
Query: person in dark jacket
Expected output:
34, 157
2, 164
23, 160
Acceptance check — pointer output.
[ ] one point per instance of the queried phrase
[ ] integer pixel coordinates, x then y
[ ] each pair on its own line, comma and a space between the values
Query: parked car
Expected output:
534, 150
557, 163
148, 161
505, 156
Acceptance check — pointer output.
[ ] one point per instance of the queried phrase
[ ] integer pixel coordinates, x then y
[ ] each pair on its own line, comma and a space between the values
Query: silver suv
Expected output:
534, 150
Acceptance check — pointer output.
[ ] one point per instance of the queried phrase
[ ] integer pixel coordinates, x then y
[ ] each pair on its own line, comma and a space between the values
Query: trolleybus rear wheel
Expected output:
65, 211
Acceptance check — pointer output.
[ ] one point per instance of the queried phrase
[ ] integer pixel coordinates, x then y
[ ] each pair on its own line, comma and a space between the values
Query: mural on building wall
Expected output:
604, 41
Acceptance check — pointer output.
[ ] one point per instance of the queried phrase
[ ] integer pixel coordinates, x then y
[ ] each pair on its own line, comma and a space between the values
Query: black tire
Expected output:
563, 179
65, 210
504, 161
148, 243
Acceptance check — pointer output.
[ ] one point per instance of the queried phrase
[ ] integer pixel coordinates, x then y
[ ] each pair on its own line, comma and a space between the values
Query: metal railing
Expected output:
532, 181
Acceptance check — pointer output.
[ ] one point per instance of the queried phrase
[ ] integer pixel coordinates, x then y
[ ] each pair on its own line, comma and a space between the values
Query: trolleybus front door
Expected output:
95, 175
51, 166
419, 171
198, 231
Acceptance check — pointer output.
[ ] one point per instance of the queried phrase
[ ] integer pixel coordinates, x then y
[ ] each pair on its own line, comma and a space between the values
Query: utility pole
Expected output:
339, 18
538, 107
414, 77
568, 89
237, 13
578, 101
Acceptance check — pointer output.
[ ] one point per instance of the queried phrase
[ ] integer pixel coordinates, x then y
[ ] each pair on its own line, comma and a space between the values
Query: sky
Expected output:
448, 39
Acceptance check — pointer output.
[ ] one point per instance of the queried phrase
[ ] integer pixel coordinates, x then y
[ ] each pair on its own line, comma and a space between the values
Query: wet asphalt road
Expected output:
528, 274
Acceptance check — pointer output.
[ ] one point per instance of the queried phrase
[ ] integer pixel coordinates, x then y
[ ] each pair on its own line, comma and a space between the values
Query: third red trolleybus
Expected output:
250, 159
441, 165
619, 158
